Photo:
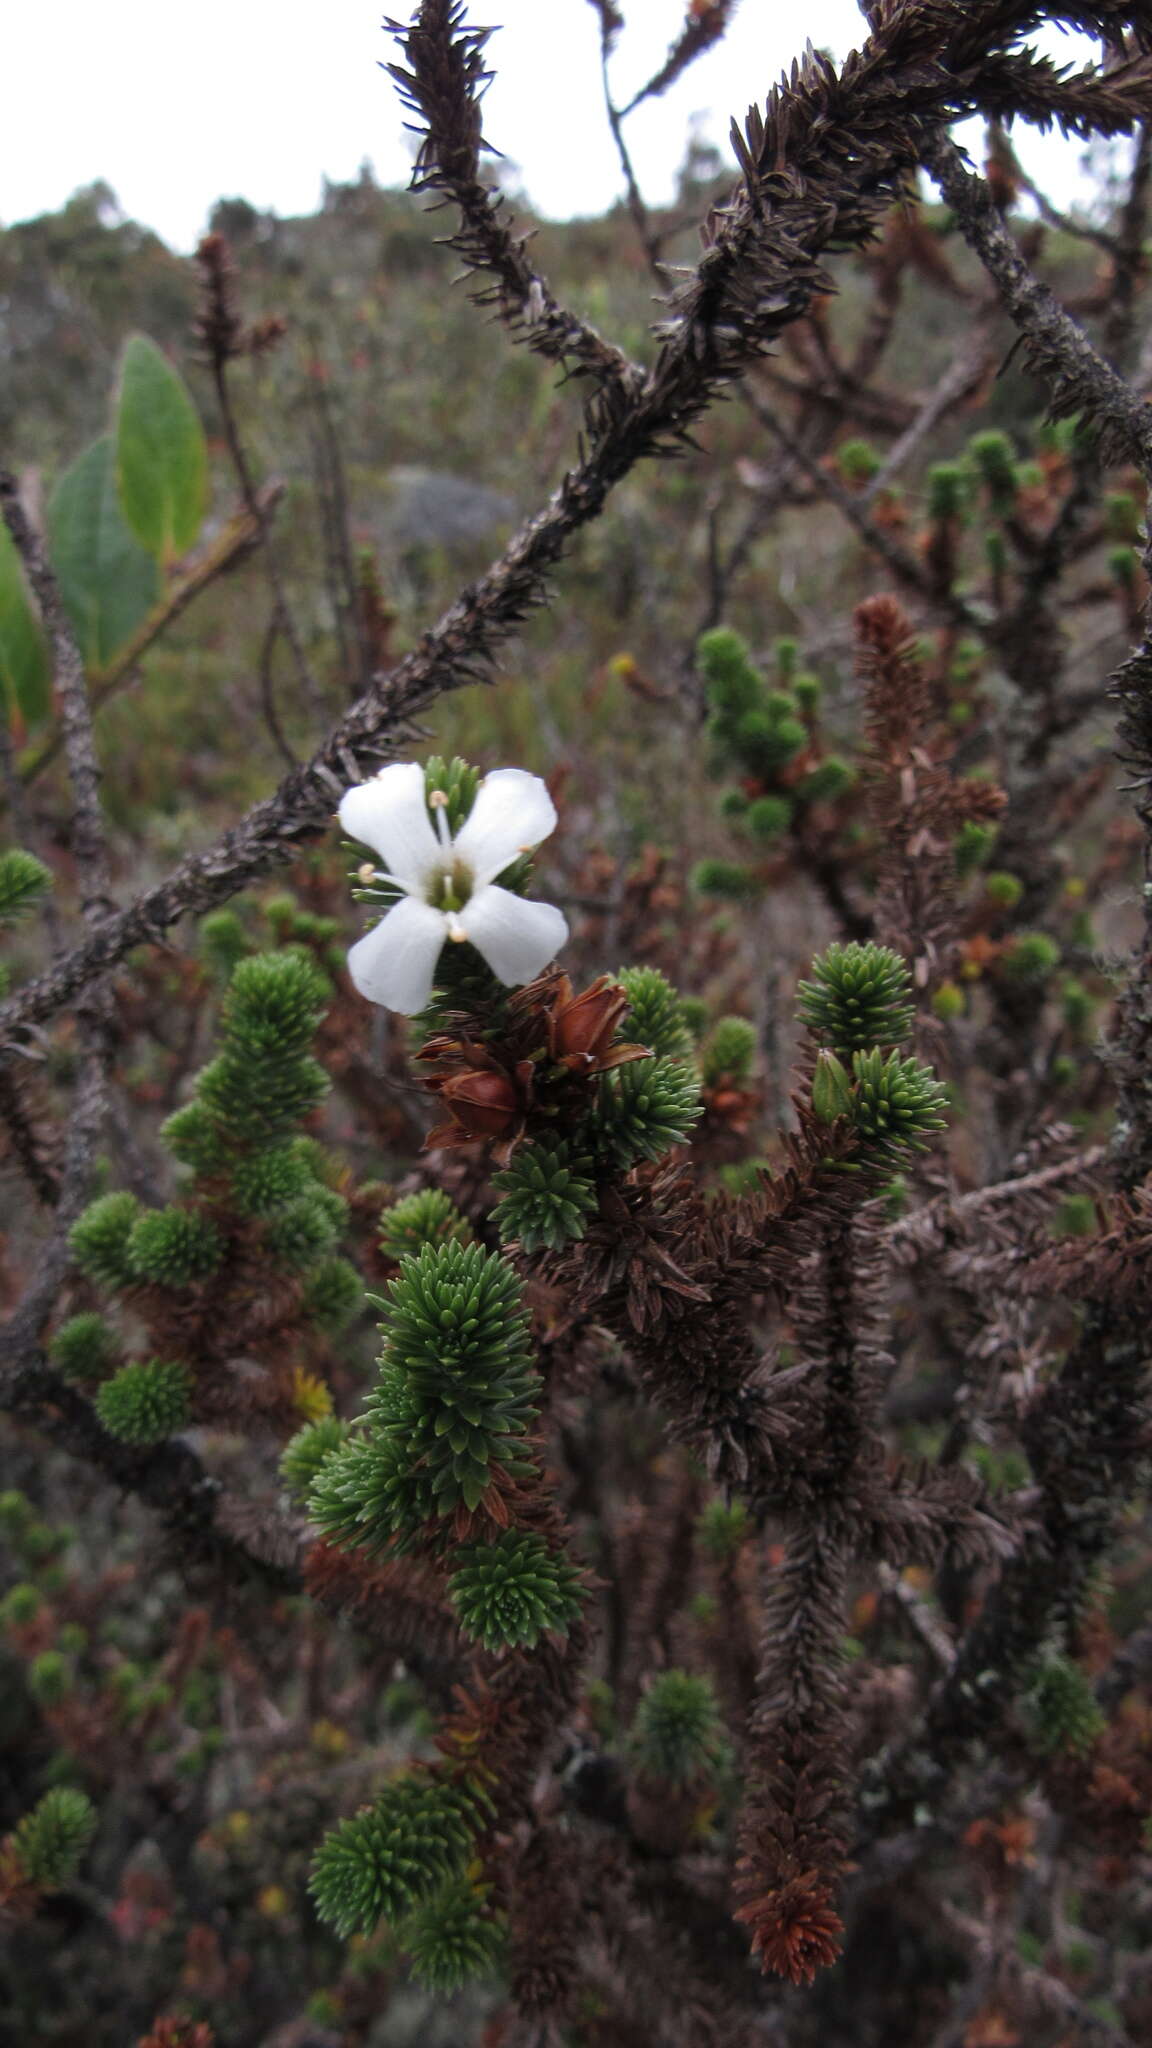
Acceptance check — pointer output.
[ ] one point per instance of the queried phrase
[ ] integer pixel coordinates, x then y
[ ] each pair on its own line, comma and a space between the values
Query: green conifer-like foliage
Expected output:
547, 1198
857, 999
768, 816
24, 881
723, 1527
716, 877
677, 1732
429, 1217
994, 460
50, 1677
729, 1049
455, 1397
391, 1856
453, 1938
265, 1079
144, 1402
20, 1604
510, 1592
99, 1239
173, 1247
84, 1348
1061, 1709
644, 1109
265, 1180
51, 1840
1031, 957
655, 1014
304, 1454
299, 1234
333, 1294
768, 737
224, 942
255, 1213
972, 846
949, 485
896, 1103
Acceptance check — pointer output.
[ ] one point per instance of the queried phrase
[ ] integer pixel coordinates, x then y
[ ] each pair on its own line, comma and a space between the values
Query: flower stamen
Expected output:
438, 805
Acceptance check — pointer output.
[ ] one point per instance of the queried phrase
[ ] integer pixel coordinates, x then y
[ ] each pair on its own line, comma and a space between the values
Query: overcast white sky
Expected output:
261, 98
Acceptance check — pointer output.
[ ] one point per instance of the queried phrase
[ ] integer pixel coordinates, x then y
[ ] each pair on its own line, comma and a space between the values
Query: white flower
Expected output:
449, 883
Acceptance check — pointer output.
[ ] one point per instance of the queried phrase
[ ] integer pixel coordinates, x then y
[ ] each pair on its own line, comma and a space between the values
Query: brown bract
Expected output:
532, 1073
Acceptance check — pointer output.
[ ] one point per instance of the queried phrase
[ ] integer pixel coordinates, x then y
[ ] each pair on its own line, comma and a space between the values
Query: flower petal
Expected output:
515, 937
394, 964
389, 814
512, 812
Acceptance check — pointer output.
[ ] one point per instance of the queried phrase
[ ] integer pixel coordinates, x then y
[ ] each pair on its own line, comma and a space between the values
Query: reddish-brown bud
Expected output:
581, 1028
483, 1104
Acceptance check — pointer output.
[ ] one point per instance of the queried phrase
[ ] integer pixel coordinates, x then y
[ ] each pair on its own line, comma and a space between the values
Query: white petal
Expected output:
389, 815
512, 811
516, 938
394, 965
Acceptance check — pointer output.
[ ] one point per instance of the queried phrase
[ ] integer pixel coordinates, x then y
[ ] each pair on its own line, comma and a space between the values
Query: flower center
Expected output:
451, 888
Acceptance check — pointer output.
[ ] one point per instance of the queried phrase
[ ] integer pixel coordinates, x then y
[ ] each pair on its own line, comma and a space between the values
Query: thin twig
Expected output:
89, 843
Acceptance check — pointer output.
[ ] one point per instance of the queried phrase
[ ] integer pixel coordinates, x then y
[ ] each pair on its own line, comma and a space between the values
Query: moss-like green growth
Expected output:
51, 1840
333, 1294
858, 998
24, 881
453, 1938
427, 1218
173, 1247
455, 1396
677, 1733
728, 1051
655, 1013
897, 1103
84, 1348
145, 1402
391, 1856
303, 1456
547, 1197
510, 1592
643, 1110
99, 1239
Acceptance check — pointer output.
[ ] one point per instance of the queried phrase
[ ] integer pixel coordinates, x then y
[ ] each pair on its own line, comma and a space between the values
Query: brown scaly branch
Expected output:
705, 23
1129, 271
917, 803
225, 551
24, 1141
1086, 103
929, 1231
793, 1832
442, 83
1077, 376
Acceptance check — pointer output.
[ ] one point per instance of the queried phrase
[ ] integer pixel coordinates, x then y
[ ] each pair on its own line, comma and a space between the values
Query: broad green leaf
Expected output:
25, 669
161, 453
107, 580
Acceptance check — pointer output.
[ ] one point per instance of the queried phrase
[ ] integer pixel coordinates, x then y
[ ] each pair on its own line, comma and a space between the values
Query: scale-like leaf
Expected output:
107, 580
161, 453
25, 669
